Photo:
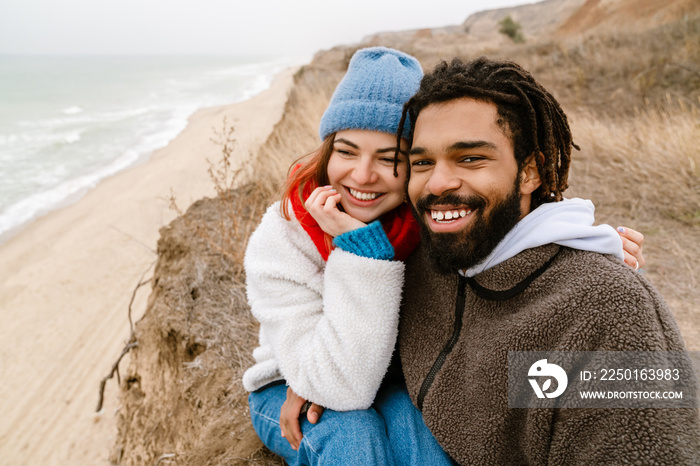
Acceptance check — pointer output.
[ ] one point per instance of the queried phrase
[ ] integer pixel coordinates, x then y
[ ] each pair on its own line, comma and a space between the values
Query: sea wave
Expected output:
64, 193
109, 116
54, 152
72, 110
67, 137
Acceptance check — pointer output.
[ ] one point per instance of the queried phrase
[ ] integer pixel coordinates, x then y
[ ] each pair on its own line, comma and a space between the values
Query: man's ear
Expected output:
529, 175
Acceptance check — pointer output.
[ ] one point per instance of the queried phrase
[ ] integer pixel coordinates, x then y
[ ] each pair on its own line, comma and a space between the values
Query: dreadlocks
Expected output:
529, 114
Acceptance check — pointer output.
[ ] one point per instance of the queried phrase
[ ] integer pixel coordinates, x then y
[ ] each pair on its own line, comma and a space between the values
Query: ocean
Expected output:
68, 122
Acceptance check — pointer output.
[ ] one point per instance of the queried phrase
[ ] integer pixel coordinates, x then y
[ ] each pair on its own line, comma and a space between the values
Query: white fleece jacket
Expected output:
327, 328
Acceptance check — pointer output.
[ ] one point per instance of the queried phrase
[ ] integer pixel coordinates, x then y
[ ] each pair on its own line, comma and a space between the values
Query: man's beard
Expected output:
451, 252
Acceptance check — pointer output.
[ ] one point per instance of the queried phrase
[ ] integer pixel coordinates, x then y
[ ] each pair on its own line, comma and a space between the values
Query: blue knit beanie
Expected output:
378, 82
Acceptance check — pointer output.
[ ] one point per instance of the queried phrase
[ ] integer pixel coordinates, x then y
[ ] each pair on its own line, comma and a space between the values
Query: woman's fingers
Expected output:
318, 198
632, 244
632, 235
323, 206
311, 200
632, 253
330, 206
631, 260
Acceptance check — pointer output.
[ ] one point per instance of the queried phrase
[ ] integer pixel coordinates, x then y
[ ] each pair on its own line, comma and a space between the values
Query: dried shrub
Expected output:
512, 29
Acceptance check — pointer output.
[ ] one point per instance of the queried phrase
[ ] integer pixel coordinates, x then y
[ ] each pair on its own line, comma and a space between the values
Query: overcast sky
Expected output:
273, 27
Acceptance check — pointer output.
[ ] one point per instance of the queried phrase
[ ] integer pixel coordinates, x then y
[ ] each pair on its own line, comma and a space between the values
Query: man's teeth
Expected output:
449, 215
363, 196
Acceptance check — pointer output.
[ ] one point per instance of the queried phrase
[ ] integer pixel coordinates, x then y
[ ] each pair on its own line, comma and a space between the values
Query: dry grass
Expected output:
609, 73
653, 158
229, 237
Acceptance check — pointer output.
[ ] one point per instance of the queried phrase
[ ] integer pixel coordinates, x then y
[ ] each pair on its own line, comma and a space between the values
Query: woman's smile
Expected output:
361, 169
362, 196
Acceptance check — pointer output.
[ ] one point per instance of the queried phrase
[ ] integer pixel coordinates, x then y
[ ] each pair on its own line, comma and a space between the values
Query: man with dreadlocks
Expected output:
501, 268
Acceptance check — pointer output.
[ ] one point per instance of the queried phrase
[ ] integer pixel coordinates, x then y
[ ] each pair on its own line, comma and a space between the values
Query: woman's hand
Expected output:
632, 242
289, 417
322, 204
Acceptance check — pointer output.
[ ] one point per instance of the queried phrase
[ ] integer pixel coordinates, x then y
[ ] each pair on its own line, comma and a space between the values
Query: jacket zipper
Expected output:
459, 313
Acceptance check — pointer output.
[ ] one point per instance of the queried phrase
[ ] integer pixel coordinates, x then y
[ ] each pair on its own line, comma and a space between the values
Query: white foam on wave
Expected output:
101, 117
68, 137
64, 193
7, 139
261, 83
72, 110
157, 135
72, 137
263, 74
160, 133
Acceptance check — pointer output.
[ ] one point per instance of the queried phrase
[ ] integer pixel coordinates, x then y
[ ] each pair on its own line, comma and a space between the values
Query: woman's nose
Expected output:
364, 173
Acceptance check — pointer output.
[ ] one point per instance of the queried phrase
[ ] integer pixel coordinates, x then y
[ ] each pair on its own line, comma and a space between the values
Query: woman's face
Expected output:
361, 169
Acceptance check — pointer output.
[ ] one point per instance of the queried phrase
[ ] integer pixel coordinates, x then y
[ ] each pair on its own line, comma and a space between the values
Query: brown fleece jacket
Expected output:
582, 301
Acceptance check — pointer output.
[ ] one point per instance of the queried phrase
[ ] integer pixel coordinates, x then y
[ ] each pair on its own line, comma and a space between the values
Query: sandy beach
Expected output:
66, 281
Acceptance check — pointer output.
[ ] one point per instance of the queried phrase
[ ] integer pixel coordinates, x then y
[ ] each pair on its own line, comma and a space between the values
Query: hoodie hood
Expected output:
567, 223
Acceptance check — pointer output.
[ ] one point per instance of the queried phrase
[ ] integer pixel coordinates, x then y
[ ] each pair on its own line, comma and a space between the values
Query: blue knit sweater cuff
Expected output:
370, 241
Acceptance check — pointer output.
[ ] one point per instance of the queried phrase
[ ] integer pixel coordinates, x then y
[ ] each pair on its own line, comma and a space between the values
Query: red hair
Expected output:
305, 174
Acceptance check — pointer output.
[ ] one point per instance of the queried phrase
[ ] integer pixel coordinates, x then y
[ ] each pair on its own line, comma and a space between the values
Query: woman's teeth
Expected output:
363, 196
443, 216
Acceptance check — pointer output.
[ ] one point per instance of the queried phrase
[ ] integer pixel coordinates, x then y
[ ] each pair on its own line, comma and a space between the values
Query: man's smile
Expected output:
446, 216
444, 219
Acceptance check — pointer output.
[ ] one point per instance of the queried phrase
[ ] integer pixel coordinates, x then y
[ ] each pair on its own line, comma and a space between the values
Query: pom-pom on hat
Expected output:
371, 95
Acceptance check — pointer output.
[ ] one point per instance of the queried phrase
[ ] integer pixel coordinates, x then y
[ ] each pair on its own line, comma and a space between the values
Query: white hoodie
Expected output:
567, 223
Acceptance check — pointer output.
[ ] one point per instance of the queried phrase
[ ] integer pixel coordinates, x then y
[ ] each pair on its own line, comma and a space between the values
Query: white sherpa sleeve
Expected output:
332, 326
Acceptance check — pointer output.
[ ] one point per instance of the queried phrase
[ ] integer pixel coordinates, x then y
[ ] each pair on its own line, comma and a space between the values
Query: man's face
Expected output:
465, 186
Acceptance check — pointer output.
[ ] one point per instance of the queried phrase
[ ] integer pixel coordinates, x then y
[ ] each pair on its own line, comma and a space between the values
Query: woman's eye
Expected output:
343, 152
420, 163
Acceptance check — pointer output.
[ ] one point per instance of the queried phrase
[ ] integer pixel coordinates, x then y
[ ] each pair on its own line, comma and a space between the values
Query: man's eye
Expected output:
472, 158
420, 163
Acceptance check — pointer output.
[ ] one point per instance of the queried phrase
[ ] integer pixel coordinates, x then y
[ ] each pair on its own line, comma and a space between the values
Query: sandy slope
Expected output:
66, 281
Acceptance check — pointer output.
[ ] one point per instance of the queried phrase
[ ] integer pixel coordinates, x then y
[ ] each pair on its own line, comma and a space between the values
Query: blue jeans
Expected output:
391, 432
